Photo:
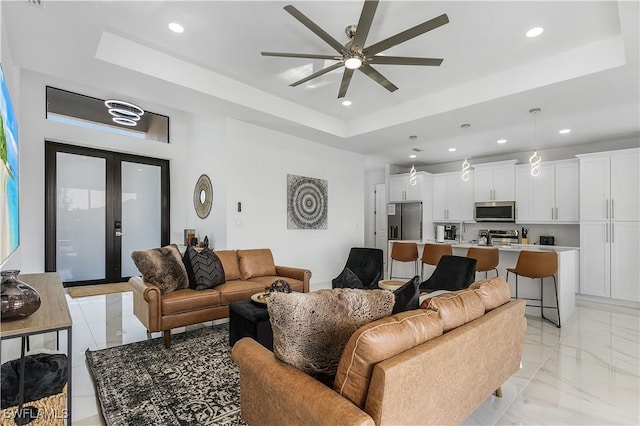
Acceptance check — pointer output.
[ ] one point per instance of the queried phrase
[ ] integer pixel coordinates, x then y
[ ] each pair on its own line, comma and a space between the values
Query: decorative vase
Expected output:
19, 299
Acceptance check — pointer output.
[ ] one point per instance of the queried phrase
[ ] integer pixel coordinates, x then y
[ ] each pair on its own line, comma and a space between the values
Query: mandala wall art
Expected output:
307, 202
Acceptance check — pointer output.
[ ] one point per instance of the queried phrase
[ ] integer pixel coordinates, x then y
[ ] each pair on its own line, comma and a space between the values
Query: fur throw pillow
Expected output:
162, 267
310, 330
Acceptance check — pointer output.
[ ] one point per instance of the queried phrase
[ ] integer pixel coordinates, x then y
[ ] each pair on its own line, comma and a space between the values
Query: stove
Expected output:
497, 237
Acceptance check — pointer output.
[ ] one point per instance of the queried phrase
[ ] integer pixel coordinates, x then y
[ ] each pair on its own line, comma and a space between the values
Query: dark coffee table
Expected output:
250, 319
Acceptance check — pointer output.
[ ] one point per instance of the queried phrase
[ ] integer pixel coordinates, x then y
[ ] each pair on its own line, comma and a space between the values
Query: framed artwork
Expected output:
9, 175
307, 202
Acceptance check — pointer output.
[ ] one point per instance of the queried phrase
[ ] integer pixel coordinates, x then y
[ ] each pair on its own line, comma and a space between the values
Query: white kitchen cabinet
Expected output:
401, 190
552, 196
452, 198
610, 224
609, 185
609, 253
595, 259
495, 181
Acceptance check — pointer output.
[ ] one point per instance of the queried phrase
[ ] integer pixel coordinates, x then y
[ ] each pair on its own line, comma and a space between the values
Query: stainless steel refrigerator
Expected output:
404, 221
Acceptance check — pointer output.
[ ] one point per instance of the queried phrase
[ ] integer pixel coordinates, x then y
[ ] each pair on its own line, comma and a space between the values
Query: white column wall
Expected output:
259, 161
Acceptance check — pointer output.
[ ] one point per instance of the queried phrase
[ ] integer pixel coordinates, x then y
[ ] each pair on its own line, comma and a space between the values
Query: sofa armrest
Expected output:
275, 393
303, 275
146, 303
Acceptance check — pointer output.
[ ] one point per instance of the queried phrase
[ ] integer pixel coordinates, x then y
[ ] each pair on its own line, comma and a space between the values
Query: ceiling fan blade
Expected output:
378, 78
317, 74
403, 60
315, 28
407, 35
364, 25
300, 55
346, 79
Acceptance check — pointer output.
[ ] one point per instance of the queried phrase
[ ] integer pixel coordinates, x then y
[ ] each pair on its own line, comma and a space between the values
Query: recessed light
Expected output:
346, 103
535, 32
452, 149
176, 28
501, 141
412, 156
564, 131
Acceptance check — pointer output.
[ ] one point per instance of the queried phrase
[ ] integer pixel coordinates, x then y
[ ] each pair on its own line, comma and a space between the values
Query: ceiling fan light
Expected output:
353, 63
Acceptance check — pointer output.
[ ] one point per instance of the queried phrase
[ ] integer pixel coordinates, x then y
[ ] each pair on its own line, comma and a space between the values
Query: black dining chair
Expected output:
364, 268
452, 273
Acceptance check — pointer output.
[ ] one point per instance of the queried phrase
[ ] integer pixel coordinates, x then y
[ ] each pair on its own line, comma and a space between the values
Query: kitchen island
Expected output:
567, 276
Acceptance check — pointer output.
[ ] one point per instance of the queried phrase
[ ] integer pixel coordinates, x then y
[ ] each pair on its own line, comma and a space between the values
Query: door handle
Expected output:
606, 209
552, 213
612, 212
119, 234
612, 232
606, 238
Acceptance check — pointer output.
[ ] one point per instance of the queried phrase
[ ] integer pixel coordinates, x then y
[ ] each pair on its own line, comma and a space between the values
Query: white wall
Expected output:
259, 161
34, 129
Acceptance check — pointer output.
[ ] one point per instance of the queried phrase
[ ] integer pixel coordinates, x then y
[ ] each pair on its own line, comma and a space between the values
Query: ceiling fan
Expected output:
354, 55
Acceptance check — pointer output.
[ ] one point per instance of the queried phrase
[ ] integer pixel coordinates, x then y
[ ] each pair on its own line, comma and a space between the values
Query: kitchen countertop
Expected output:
512, 247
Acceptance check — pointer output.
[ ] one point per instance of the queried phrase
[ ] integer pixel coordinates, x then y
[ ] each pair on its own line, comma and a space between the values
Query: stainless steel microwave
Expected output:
495, 211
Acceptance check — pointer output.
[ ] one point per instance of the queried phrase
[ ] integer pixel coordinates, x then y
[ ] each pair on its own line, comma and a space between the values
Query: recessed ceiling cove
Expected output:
354, 55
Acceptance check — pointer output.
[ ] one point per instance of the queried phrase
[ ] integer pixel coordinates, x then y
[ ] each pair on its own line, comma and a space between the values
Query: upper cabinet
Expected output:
452, 198
552, 196
609, 185
495, 181
401, 190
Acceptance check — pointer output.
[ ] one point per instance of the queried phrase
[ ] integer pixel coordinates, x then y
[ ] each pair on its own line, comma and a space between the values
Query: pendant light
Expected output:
535, 159
466, 167
413, 178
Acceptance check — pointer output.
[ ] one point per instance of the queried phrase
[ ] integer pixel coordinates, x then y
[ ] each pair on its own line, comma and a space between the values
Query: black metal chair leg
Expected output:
542, 297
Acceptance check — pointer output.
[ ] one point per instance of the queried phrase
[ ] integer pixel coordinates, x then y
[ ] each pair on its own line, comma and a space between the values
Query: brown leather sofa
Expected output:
246, 272
433, 365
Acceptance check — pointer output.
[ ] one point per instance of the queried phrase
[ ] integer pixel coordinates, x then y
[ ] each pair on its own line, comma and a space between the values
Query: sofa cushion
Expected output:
232, 291
229, 260
256, 263
493, 292
267, 280
310, 330
377, 341
407, 296
457, 308
162, 267
204, 268
186, 300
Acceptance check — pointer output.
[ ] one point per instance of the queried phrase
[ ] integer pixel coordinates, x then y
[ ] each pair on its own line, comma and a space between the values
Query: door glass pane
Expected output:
80, 217
141, 208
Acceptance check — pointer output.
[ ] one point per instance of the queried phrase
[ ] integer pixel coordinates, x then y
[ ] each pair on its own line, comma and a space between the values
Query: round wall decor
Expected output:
203, 196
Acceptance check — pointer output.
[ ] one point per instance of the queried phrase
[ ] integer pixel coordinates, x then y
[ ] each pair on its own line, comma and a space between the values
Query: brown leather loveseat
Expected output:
246, 272
433, 365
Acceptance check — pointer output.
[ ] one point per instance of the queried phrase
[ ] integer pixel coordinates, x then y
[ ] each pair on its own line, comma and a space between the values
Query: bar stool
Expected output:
432, 253
538, 264
488, 259
404, 252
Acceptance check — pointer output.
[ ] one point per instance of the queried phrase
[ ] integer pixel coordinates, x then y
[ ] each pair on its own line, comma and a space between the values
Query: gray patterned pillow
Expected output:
310, 330
162, 267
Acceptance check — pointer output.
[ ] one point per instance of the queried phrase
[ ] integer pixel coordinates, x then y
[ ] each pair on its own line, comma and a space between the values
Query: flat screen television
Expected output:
9, 175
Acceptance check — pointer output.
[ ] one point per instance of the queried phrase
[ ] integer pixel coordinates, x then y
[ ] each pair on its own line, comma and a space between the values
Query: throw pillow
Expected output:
162, 267
204, 268
407, 296
347, 279
310, 330
256, 263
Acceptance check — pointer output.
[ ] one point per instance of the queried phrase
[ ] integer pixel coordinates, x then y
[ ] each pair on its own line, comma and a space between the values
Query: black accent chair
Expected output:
364, 268
452, 273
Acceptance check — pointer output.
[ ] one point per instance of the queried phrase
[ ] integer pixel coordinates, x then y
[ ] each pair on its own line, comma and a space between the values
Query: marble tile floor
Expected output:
586, 373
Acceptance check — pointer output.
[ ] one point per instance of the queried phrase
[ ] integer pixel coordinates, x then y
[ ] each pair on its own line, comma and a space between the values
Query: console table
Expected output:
53, 315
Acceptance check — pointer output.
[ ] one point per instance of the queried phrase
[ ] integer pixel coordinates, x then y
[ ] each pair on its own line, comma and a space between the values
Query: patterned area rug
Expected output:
195, 382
